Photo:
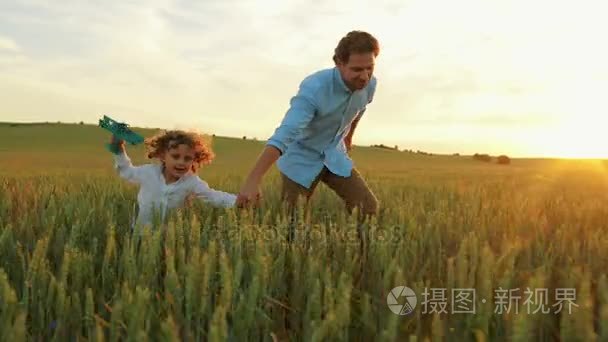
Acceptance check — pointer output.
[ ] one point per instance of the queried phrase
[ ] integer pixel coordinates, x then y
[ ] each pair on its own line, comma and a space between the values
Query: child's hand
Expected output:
189, 200
118, 142
250, 194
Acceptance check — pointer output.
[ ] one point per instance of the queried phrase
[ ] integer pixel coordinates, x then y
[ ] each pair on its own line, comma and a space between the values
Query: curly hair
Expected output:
355, 42
166, 140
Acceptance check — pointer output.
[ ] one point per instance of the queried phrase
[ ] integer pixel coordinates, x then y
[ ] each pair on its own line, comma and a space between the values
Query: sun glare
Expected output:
580, 138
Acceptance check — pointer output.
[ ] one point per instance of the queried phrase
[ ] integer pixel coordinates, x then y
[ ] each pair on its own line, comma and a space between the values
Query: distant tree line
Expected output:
502, 159
395, 148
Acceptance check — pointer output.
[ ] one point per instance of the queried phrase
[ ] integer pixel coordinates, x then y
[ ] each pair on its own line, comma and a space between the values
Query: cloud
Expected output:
8, 45
474, 64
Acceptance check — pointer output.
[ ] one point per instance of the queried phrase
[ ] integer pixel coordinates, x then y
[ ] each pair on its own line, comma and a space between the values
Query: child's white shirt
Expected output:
156, 194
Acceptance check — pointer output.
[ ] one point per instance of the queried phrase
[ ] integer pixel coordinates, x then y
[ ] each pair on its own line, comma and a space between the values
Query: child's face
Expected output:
178, 160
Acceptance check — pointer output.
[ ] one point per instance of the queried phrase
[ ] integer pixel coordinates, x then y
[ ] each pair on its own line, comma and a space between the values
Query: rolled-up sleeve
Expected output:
214, 197
302, 109
126, 170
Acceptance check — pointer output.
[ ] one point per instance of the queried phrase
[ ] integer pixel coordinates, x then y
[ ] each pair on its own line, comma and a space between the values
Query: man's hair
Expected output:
355, 42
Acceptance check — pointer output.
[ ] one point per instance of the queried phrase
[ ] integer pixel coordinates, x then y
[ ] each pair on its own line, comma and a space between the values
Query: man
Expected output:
314, 138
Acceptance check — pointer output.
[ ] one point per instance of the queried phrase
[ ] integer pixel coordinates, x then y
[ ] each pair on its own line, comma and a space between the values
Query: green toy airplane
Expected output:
120, 131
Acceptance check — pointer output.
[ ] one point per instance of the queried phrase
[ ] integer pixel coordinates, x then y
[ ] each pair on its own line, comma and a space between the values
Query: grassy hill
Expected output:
54, 148
50, 147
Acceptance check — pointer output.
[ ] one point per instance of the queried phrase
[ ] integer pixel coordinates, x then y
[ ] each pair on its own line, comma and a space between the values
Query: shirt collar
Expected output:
338, 79
162, 180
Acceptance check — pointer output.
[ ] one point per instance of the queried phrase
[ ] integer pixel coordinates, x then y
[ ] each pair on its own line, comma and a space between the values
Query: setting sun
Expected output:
582, 137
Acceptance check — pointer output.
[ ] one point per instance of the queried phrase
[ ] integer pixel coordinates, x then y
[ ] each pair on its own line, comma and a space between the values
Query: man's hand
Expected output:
348, 141
250, 193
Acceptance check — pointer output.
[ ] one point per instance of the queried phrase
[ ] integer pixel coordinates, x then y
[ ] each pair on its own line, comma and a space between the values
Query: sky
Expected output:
516, 77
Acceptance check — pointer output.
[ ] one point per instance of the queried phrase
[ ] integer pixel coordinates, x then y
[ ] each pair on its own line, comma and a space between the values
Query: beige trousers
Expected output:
353, 190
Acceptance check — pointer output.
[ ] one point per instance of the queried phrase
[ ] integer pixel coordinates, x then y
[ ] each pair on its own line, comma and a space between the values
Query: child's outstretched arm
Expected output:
214, 197
122, 163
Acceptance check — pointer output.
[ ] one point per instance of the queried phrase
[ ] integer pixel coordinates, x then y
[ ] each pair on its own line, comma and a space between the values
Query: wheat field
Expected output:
72, 270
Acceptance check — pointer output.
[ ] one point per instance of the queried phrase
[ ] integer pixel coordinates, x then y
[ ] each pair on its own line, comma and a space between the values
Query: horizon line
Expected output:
605, 158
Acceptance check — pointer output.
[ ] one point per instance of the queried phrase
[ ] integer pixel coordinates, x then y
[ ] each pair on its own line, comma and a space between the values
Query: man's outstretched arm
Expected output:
298, 116
250, 190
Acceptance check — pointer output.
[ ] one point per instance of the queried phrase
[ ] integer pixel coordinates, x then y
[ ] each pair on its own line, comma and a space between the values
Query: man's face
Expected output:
357, 72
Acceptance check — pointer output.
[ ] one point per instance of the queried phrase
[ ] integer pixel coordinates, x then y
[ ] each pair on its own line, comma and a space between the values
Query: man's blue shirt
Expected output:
312, 132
